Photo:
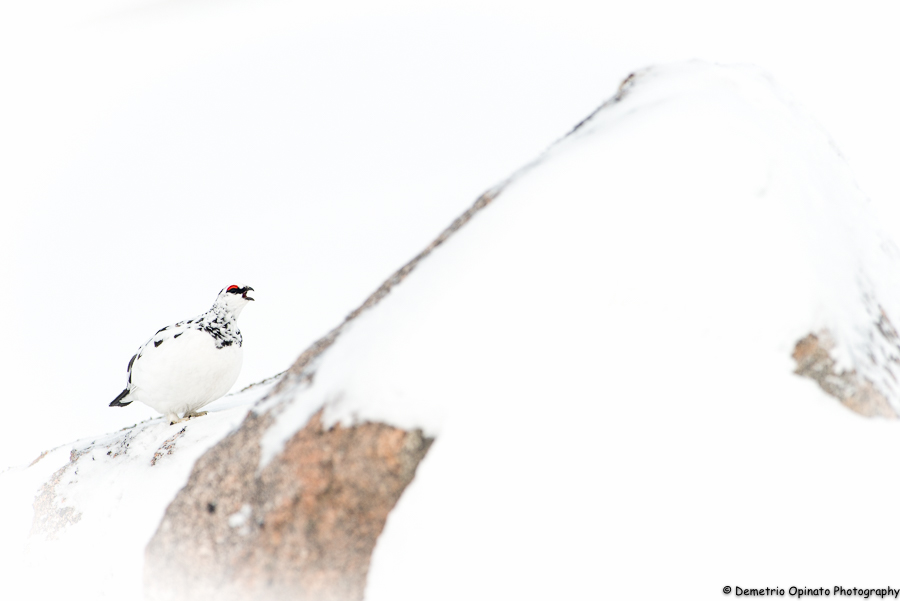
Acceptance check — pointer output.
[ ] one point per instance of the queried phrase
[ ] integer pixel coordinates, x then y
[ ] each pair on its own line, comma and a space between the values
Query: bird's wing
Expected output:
165, 334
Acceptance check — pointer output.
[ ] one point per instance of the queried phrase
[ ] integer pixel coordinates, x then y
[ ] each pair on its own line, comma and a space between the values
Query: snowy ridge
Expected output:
304, 369
817, 218
109, 491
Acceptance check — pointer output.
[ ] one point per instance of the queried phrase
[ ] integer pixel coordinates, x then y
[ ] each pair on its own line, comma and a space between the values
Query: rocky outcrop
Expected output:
869, 387
302, 528
51, 515
814, 361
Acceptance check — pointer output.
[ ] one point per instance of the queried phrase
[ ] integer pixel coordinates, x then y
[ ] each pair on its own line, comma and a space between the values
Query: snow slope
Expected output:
603, 355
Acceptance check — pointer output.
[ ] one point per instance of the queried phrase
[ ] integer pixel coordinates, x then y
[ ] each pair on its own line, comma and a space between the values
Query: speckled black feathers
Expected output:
222, 327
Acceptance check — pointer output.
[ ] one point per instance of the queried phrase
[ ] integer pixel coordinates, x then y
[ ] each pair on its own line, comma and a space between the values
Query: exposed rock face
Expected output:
303, 528
814, 361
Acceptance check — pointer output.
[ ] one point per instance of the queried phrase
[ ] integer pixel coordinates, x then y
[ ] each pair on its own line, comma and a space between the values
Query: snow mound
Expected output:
604, 356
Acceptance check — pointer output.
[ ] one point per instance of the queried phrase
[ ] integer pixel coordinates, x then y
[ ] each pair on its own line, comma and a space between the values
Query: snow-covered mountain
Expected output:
590, 374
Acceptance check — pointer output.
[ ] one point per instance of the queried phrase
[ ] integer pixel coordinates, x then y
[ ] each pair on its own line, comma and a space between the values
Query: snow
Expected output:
239, 518
119, 487
603, 355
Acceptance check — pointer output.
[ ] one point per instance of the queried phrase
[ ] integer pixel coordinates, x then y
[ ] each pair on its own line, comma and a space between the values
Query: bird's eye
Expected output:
231, 288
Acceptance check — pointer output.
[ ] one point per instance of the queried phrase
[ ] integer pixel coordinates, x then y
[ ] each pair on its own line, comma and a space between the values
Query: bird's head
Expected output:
234, 298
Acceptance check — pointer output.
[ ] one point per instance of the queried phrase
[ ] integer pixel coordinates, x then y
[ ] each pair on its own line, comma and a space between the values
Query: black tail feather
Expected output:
117, 402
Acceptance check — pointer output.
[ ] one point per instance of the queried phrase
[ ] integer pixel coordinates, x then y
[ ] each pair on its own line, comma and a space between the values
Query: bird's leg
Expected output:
191, 414
174, 419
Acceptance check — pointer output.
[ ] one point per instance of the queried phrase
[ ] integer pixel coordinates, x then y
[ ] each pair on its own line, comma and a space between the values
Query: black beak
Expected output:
245, 291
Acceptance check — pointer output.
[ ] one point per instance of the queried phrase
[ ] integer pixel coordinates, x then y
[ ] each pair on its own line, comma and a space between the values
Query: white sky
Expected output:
153, 152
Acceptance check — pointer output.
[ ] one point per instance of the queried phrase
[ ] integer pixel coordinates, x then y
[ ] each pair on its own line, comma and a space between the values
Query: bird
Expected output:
190, 364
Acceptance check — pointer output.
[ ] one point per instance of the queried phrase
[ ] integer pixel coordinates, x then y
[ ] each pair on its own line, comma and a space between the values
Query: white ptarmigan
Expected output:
191, 363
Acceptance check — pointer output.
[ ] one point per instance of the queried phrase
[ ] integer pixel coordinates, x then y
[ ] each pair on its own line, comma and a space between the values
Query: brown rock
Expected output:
814, 361
303, 528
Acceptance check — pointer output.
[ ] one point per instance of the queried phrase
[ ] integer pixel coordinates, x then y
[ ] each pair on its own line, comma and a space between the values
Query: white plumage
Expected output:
189, 364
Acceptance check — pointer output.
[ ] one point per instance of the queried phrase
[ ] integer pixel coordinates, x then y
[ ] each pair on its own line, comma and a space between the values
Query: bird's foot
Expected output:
191, 414
174, 419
